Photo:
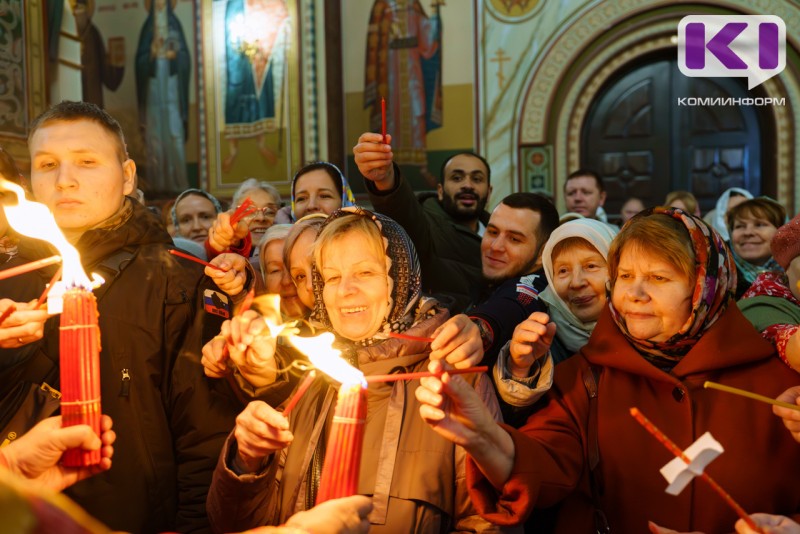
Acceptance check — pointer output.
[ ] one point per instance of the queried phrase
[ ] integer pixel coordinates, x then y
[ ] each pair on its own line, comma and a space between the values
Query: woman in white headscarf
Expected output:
574, 261
727, 200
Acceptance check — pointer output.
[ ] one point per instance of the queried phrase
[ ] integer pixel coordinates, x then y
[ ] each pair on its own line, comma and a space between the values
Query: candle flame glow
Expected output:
34, 220
320, 351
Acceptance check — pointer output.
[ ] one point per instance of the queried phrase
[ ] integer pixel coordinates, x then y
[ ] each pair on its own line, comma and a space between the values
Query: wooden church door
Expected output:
645, 144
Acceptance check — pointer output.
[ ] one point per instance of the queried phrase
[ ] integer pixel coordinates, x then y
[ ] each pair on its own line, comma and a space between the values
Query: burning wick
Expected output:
423, 374
192, 258
749, 395
301, 389
674, 449
28, 267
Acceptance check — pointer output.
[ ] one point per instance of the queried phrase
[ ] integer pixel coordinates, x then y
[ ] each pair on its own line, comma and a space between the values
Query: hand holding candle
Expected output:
260, 431
229, 273
458, 341
20, 323
251, 347
226, 230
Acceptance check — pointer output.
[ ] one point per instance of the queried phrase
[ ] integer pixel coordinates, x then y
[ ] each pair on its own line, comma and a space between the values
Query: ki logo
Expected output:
751, 46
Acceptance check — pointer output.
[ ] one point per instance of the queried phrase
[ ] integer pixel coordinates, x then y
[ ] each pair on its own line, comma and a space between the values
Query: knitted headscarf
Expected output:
404, 274
713, 292
573, 332
348, 199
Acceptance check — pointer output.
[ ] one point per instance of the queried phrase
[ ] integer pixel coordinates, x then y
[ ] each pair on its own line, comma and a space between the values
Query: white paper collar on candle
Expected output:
701, 453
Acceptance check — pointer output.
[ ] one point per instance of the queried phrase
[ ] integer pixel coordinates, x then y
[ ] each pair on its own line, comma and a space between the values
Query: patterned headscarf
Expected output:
404, 273
713, 291
348, 199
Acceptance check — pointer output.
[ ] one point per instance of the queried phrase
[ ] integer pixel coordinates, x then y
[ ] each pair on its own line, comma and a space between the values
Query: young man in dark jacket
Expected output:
446, 229
170, 421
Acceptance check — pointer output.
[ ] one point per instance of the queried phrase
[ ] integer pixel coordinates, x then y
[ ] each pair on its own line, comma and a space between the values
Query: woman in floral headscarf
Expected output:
366, 285
671, 324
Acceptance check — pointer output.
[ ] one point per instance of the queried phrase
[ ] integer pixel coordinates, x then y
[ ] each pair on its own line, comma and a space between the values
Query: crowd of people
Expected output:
578, 320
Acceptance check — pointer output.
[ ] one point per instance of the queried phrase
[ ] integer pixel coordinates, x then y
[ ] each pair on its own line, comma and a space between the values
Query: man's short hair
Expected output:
466, 153
589, 173
538, 203
69, 111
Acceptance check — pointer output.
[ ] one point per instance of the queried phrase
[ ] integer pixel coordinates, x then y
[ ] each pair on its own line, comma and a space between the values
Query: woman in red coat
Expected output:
670, 325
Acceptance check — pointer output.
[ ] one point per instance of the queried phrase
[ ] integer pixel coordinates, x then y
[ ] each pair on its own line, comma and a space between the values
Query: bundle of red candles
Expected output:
340, 471
80, 370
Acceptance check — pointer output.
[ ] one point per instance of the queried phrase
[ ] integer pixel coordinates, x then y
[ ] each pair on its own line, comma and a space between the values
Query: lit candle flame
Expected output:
321, 353
34, 220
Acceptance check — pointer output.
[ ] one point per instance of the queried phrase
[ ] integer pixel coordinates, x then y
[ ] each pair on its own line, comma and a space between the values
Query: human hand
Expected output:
458, 341
260, 431
452, 407
251, 348
769, 524
24, 325
222, 234
35, 455
215, 358
233, 276
791, 418
455, 411
374, 159
530, 341
348, 515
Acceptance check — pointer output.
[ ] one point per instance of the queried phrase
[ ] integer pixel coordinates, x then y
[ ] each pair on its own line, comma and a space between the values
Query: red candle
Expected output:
195, 259
301, 389
343, 453
674, 449
383, 118
28, 267
80, 370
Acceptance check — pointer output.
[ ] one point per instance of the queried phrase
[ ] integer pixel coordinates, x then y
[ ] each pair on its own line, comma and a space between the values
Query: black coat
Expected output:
170, 420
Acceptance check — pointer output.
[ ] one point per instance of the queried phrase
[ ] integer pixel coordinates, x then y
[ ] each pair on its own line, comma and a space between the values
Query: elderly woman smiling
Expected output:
574, 261
670, 326
366, 285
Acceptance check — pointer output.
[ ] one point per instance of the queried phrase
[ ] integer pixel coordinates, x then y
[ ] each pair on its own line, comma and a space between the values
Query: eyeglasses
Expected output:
268, 211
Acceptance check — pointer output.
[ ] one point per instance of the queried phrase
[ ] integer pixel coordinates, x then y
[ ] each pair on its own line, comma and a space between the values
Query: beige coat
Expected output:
415, 476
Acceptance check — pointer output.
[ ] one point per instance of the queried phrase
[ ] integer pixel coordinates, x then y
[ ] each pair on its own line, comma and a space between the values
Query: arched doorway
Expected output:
645, 143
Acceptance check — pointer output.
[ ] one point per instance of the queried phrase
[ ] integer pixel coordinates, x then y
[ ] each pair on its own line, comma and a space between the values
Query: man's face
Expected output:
466, 188
77, 173
509, 247
583, 196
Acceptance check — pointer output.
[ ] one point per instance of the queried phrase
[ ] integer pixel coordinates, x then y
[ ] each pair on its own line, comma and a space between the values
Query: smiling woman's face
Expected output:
356, 290
652, 295
580, 274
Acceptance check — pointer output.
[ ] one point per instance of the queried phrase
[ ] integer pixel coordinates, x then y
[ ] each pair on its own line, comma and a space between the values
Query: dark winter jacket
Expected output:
449, 252
169, 419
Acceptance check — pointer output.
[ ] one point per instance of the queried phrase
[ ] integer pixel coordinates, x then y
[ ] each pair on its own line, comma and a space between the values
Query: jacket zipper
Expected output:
126, 383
